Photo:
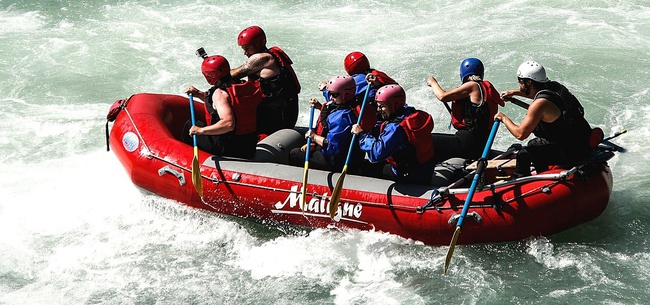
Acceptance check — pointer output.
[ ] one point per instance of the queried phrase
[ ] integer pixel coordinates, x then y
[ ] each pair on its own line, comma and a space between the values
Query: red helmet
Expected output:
392, 95
252, 35
343, 84
214, 68
356, 63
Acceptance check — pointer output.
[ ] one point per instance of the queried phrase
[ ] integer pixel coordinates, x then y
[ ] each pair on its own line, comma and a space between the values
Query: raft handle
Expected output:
169, 170
473, 215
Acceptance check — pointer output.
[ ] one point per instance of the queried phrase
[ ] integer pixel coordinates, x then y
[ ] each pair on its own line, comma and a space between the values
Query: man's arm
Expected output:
226, 121
468, 89
536, 112
253, 65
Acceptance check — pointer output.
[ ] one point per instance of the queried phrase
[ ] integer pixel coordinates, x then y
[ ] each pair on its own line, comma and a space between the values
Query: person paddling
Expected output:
272, 68
555, 117
403, 139
332, 137
230, 111
473, 106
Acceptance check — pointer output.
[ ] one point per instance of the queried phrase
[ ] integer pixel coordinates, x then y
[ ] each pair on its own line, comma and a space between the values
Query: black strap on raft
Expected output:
435, 198
112, 115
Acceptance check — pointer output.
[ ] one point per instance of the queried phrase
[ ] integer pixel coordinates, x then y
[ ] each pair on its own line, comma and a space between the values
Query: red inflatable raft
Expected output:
145, 137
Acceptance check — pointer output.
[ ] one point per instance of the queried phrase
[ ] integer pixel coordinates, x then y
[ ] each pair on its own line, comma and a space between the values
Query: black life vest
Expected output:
571, 128
286, 82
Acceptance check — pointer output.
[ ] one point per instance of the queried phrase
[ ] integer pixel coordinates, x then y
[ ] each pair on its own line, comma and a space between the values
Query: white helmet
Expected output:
532, 70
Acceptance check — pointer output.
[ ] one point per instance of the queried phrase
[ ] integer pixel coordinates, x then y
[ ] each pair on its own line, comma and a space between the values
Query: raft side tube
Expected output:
276, 147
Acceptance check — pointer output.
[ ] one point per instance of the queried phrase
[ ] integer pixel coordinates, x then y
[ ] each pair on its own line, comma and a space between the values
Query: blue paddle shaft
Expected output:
477, 175
311, 122
191, 97
354, 135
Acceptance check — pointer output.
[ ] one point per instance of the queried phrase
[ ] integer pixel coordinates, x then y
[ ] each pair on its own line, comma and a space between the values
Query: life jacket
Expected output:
335, 153
418, 126
571, 128
322, 127
382, 77
369, 119
286, 83
244, 98
467, 115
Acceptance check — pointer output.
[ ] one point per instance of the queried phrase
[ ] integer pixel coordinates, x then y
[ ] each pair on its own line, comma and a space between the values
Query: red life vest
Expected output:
418, 126
285, 63
465, 114
369, 119
382, 77
244, 99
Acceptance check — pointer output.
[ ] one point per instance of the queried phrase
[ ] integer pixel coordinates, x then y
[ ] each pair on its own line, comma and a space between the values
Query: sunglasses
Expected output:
335, 94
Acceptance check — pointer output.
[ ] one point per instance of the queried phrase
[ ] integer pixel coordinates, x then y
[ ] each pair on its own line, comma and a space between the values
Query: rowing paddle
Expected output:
303, 195
452, 116
606, 141
336, 193
482, 163
517, 102
196, 171
616, 147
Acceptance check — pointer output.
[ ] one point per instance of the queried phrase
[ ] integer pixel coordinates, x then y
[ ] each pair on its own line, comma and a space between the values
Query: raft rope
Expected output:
150, 154
439, 194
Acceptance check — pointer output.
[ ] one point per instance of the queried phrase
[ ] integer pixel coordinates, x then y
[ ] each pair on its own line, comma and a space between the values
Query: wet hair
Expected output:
474, 77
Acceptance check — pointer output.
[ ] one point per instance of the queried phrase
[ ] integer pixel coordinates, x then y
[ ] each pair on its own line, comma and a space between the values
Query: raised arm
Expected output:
254, 65
468, 89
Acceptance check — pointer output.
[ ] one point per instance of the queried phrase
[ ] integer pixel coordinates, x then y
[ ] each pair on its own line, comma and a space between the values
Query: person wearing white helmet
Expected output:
555, 117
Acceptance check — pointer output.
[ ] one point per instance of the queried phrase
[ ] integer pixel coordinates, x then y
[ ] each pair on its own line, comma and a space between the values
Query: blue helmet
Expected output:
471, 66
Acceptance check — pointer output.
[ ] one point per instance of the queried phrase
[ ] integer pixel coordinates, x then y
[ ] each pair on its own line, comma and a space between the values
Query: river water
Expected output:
74, 229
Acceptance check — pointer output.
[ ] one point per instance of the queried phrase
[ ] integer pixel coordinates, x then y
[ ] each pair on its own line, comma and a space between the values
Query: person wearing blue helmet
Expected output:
473, 106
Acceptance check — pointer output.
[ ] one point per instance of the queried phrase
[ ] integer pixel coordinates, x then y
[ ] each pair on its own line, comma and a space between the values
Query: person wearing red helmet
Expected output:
356, 64
555, 117
474, 104
403, 139
279, 83
332, 137
230, 108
